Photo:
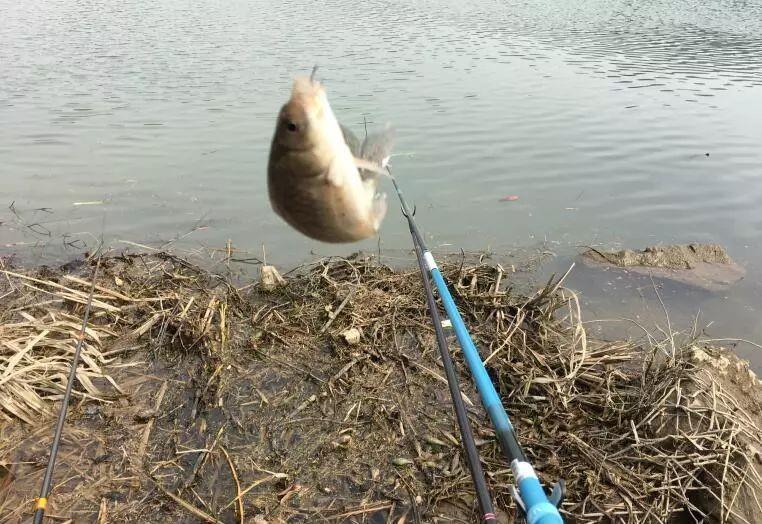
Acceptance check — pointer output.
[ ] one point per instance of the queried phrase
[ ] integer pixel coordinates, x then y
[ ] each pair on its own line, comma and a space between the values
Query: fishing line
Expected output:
42, 500
530, 496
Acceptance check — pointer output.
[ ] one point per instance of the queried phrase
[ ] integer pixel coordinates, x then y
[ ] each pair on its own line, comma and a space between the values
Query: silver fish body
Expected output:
321, 179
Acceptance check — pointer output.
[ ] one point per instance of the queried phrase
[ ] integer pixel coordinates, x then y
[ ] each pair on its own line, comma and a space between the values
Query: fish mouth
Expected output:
308, 93
307, 85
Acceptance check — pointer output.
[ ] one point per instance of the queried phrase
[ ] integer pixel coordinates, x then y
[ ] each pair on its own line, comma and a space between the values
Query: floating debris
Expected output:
90, 203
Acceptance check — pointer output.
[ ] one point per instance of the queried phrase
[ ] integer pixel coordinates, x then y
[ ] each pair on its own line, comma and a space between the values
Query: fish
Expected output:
323, 180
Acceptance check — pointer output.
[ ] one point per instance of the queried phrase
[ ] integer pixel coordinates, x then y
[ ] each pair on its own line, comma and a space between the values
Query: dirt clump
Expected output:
703, 265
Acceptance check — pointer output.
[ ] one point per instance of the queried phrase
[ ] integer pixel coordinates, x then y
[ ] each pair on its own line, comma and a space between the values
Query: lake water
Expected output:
614, 122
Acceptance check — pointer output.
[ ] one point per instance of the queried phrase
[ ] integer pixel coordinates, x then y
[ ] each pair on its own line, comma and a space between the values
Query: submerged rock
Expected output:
703, 265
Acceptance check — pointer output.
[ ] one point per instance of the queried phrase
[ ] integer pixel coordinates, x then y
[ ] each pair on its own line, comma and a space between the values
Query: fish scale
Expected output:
302, 211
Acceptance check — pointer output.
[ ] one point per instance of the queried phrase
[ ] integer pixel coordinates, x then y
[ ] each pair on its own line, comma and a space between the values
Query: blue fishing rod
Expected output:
483, 496
530, 496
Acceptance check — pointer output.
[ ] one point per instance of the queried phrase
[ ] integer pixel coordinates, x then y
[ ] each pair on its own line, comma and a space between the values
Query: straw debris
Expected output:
201, 400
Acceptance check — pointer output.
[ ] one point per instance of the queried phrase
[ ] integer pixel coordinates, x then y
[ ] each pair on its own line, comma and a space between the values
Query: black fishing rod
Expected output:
530, 496
47, 481
472, 455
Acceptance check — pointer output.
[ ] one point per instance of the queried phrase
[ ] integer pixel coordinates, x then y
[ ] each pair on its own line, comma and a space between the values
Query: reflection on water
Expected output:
614, 122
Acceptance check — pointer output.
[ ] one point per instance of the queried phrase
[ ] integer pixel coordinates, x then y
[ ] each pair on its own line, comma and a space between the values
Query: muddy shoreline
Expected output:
207, 400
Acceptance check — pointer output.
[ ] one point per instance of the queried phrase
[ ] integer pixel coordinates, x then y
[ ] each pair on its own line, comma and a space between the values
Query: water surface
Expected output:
615, 123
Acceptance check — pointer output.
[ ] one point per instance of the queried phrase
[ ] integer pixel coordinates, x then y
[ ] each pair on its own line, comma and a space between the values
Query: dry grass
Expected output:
240, 404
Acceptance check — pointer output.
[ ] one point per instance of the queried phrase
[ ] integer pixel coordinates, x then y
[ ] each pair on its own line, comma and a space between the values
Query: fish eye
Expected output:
291, 126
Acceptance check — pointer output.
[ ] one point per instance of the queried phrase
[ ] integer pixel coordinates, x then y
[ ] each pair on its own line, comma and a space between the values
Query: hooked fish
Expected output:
322, 180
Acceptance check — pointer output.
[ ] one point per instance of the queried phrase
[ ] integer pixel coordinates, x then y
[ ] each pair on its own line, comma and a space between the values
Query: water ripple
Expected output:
598, 114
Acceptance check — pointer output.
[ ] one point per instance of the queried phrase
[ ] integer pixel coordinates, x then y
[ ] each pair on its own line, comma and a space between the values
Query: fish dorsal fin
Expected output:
377, 147
354, 144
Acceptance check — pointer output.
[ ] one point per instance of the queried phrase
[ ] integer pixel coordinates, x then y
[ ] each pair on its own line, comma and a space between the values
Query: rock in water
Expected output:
707, 266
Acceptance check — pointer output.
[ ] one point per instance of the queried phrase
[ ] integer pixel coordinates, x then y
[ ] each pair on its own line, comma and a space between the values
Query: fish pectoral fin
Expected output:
367, 165
334, 175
